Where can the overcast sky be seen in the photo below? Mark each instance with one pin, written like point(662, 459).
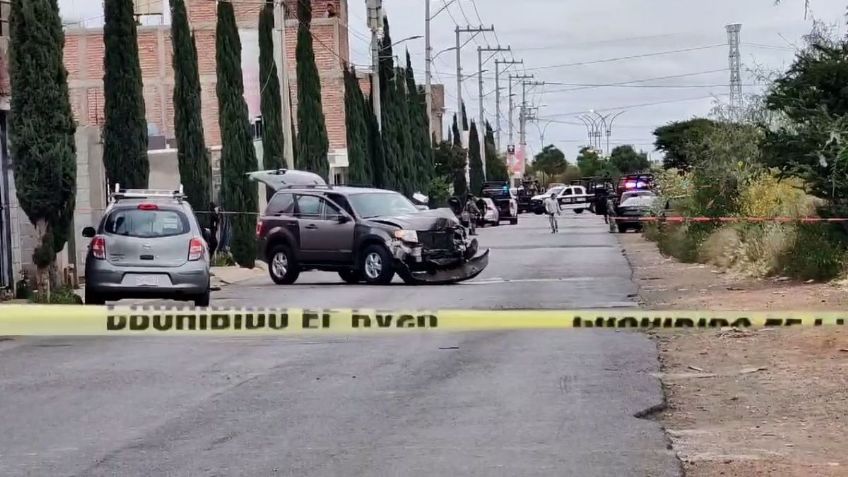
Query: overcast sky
point(552, 35)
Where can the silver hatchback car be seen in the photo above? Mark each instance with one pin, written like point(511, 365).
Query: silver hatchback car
point(148, 245)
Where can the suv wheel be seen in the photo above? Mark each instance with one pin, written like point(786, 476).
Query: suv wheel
point(351, 276)
point(282, 266)
point(376, 265)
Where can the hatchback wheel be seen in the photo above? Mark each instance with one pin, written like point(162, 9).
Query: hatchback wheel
point(92, 298)
point(202, 299)
point(376, 265)
point(282, 266)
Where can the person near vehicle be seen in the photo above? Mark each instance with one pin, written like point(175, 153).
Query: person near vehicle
point(552, 208)
point(473, 213)
point(214, 223)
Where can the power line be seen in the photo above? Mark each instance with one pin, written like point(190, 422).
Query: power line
point(643, 80)
point(643, 105)
point(631, 57)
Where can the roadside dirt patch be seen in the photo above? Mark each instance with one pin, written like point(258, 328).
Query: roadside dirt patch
point(748, 402)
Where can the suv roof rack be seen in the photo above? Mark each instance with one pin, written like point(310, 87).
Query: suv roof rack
point(119, 193)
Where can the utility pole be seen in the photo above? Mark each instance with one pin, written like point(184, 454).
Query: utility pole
point(475, 31)
point(735, 67)
point(498, 63)
point(512, 105)
point(524, 117)
point(428, 59)
point(283, 77)
point(480, 129)
point(375, 23)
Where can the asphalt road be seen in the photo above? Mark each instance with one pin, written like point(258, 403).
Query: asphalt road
point(487, 404)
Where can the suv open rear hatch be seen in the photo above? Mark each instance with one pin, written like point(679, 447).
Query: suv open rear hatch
point(287, 178)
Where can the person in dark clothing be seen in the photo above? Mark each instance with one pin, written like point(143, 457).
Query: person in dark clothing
point(214, 224)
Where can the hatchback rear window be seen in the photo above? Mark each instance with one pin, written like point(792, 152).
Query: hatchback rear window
point(146, 223)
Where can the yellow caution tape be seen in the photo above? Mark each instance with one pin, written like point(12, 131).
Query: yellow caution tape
point(58, 320)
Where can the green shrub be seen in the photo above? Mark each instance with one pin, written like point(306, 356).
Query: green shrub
point(223, 259)
point(722, 248)
point(677, 242)
point(651, 231)
point(60, 296)
point(764, 246)
point(817, 253)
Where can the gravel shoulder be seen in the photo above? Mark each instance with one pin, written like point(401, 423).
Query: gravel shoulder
point(745, 402)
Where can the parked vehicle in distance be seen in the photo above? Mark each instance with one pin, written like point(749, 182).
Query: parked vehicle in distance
point(365, 235)
point(504, 199)
point(570, 198)
point(148, 245)
point(490, 214)
point(525, 194)
point(634, 205)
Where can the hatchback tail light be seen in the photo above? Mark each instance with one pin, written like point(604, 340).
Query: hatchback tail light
point(260, 230)
point(195, 249)
point(148, 206)
point(98, 247)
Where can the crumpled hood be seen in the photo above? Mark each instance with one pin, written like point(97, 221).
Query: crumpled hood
point(437, 219)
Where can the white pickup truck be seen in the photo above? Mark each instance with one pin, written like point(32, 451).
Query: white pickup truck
point(572, 197)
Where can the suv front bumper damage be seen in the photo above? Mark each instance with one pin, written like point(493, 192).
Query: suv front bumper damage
point(437, 272)
point(420, 264)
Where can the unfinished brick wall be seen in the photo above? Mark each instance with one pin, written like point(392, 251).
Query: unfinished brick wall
point(84, 61)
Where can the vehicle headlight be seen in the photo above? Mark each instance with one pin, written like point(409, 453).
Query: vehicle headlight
point(407, 235)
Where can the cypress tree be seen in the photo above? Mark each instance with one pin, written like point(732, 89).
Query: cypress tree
point(125, 126)
point(312, 131)
point(376, 154)
point(420, 122)
point(41, 125)
point(238, 157)
point(391, 146)
point(457, 138)
point(386, 61)
point(495, 165)
point(460, 184)
point(192, 155)
point(475, 160)
point(406, 167)
point(359, 170)
point(464, 118)
point(271, 102)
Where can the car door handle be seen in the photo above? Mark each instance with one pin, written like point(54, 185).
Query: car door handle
point(311, 227)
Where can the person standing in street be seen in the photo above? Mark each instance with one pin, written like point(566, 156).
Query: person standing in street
point(473, 213)
point(552, 208)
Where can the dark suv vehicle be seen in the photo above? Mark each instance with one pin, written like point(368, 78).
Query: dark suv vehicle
point(363, 234)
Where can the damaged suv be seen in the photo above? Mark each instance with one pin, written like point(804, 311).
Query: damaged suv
point(366, 235)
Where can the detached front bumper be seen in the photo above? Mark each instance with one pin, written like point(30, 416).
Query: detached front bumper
point(437, 275)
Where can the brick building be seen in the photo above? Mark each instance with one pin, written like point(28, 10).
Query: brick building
point(84, 60)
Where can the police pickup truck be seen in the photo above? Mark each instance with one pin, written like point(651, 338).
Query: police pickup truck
point(573, 197)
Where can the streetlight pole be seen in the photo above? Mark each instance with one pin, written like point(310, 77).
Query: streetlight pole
point(609, 128)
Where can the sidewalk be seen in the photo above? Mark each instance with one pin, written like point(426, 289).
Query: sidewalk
point(235, 274)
